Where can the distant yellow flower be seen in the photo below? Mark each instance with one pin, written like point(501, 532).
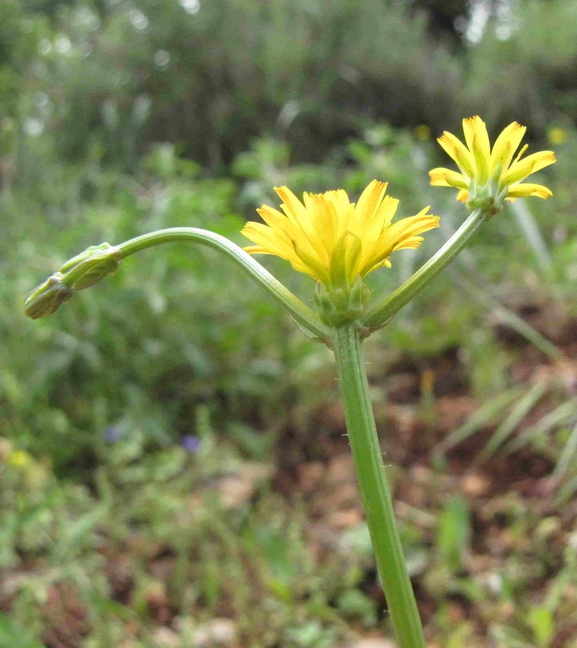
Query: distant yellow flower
point(19, 459)
point(482, 167)
point(557, 135)
point(333, 240)
point(422, 132)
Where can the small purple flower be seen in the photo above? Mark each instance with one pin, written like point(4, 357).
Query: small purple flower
point(190, 443)
point(112, 433)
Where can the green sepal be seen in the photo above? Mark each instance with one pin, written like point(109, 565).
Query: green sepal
point(342, 305)
point(488, 197)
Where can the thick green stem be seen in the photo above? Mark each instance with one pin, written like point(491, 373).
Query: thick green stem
point(380, 313)
point(374, 489)
point(301, 313)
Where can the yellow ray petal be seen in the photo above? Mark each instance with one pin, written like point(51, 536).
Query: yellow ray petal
point(477, 140)
point(386, 212)
point(313, 266)
point(385, 263)
point(413, 242)
point(441, 177)
point(399, 232)
point(381, 221)
point(527, 166)
point(412, 226)
point(343, 207)
point(297, 213)
point(476, 135)
point(266, 238)
point(369, 202)
point(255, 249)
point(324, 219)
point(279, 223)
point(506, 145)
point(457, 150)
point(524, 189)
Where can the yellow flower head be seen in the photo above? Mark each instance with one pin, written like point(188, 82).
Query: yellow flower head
point(333, 240)
point(422, 132)
point(481, 165)
point(557, 135)
point(19, 459)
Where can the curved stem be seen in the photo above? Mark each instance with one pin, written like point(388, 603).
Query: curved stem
point(379, 313)
point(375, 493)
point(301, 313)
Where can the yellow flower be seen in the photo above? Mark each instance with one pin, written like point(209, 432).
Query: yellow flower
point(491, 172)
point(557, 135)
point(19, 459)
point(422, 132)
point(333, 240)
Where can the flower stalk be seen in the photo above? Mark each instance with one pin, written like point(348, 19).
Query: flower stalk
point(381, 311)
point(99, 262)
point(301, 313)
point(374, 489)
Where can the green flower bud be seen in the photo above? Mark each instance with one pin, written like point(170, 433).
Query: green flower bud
point(91, 266)
point(47, 298)
point(92, 269)
point(74, 261)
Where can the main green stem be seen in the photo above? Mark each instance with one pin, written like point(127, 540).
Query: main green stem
point(375, 493)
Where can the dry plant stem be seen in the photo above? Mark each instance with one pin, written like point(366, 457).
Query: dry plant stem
point(301, 313)
point(375, 493)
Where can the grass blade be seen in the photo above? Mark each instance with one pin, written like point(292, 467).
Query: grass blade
point(566, 492)
point(516, 415)
point(532, 233)
point(567, 456)
point(512, 320)
point(559, 415)
point(482, 417)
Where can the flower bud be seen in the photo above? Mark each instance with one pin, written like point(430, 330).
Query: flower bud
point(47, 298)
point(98, 267)
point(86, 254)
point(91, 266)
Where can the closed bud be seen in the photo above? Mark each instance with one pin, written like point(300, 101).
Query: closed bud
point(74, 261)
point(91, 266)
point(98, 266)
point(47, 298)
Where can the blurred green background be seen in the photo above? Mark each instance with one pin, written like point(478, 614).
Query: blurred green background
point(173, 465)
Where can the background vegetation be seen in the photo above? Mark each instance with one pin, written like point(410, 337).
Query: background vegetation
point(173, 470)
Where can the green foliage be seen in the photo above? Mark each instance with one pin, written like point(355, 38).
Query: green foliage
point(454, 533)
point(11, 634)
